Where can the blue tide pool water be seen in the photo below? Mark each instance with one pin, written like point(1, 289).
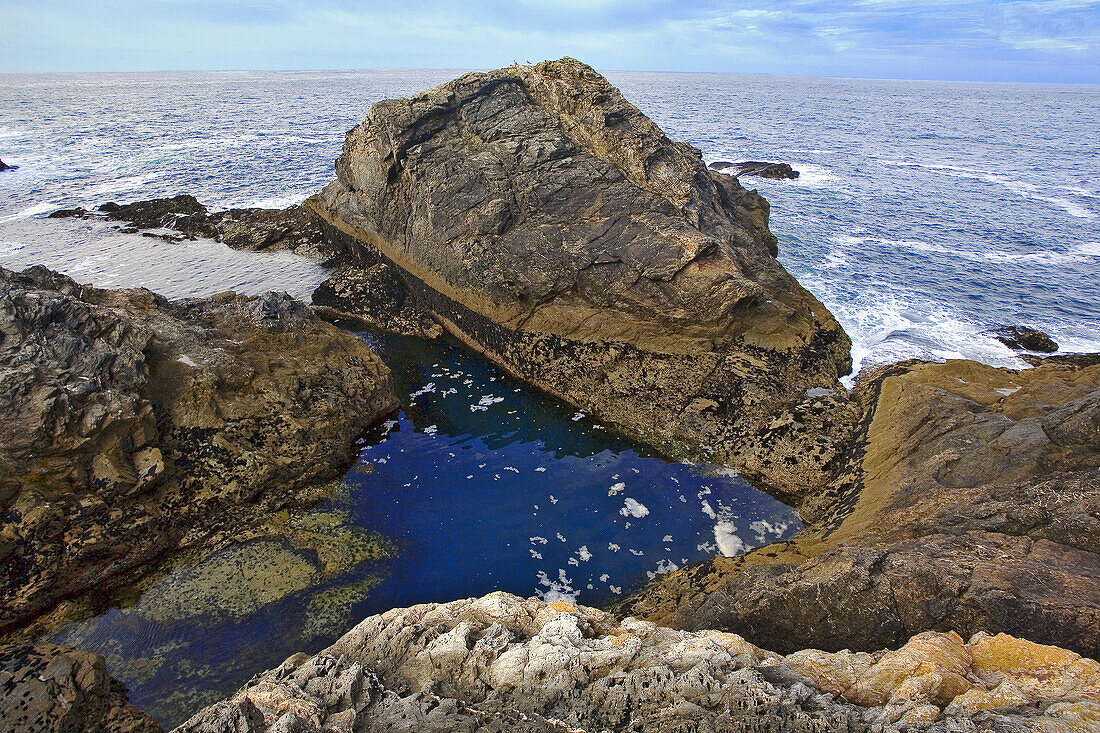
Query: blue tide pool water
point(926, 213)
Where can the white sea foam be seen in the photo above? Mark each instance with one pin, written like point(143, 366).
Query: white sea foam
point(41, 208)
point(7, 248)
point(634, 508)
point(725, 536)
point(556, 590)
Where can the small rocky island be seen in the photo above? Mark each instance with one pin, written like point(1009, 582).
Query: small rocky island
point(948, 577)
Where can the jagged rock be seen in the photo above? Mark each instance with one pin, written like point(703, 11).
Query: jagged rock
point(46, 688)
point(755, 168)
point(374, 299)
point(5, 167)
point(1023, 338)
point(971, 503)
point(183, 214)
point(130, 424)
point(503, 663)
point(297, 228)
point(547, 223)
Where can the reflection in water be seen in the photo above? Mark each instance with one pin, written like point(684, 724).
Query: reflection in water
point(481, 483)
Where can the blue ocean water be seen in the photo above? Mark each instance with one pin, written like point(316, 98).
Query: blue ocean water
point(925, 214)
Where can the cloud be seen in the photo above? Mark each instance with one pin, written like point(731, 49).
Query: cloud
point(1053, 40)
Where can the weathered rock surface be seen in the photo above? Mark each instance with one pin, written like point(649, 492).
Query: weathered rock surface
point(503, 663)
point(972, 504)
point(132, 425)
point(1024, 338)
point(374, 299)
point(46, 688)
point(548, 223)
point(756, 168)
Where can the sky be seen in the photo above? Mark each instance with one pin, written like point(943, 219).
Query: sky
point(969, 40)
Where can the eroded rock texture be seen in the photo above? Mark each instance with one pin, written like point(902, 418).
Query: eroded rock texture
point(45, 688)
point(501, 663)
point(130, 425)
point(548, 223)
point(971, 503)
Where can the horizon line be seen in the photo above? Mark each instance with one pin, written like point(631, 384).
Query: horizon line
point(601, 71)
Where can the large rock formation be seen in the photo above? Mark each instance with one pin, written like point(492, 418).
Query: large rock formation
point(549, 224)
point(971, 503)
point(500, 663)
point(130, 425)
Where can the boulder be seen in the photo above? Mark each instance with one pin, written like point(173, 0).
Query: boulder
point(1023, 338)
point(755, 168)
point(131, 425)
point(45, 688)
point(543, 220)
point(502, 663)
point(969, 503)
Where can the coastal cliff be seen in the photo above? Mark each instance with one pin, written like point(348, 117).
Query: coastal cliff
point(547, 223)
point(135, 426)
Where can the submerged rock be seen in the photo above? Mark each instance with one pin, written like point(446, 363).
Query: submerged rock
point(756, 168)
point(970, 503)
point(46, 688)
point(503, 663)
point(547, 223)
point(1023, 338)
point(5, 167)
point(131, 425)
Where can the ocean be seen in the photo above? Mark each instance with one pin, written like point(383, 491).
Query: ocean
point(926, 213)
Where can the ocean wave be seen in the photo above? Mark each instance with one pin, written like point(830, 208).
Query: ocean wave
point(41, 208)
point(275, 202)
point(1019, 187)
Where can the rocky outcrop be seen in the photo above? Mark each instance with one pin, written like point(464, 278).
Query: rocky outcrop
point(297, 229)
point(756, 168)
point(1024, 338)
point(547, 223)
point(503, 663)
point(971, 504)
point(46, 688)
point(5, 167)
point(132, 425)
point(374, 299)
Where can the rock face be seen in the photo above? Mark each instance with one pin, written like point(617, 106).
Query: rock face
point(549, 224)
point(46, 688)
point(501, 663)
point(132, 425)
point(756, 168)
point(971, 504)
point(1023, 338)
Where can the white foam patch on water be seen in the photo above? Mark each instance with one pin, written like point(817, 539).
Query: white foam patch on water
point(1042, 256)
point(634, 508)
point(556, 590)
point(725, 536)
point(583, 553)
point(7, 248)
point(663, 567)
point(126, 184)
point(616, 489)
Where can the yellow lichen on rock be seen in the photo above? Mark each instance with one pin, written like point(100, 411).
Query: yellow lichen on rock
point(1041, 672)
point(563, 606)
point(932, 652)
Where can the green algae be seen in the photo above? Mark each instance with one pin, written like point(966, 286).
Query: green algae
point(330, 612)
